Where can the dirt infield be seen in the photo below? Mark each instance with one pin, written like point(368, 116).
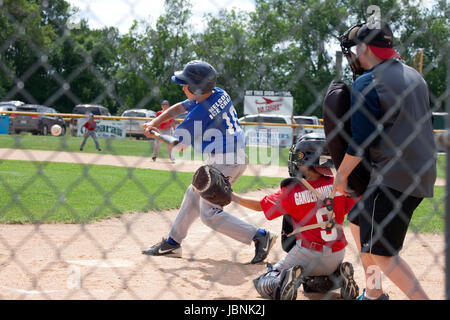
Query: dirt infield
point(103, 260)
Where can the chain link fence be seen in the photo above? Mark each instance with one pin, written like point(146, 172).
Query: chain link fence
point(75, 217)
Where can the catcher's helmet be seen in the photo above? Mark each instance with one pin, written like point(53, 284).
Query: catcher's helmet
point(311, 150)
point(200, 77)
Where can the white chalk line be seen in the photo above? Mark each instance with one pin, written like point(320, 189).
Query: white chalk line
point(32, 292)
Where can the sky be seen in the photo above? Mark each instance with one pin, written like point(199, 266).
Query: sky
point(121, 13)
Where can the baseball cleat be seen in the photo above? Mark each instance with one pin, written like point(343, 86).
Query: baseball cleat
point(290, 281)
point(164, 249)
point(349, 288)
point(263, 246)
point(383, 296)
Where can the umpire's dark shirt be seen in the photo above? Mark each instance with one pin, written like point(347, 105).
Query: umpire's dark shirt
point(392, 128)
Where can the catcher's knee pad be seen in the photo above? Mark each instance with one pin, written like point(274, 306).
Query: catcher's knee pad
point(267, 283)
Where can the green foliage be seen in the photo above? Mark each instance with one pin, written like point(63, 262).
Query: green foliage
point(284, 45)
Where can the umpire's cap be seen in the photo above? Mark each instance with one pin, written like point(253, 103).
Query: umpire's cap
point(200, 77)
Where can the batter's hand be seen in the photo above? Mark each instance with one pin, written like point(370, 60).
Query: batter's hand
point(147, 127)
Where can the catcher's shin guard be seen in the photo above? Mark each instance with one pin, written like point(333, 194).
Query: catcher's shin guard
point(267, 283)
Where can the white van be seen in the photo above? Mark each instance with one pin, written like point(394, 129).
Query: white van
point(257, 132)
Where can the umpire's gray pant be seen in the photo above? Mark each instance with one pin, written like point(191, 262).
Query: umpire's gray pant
point(194, 206)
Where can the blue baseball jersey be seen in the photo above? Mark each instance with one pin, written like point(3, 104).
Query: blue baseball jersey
point(211, 126)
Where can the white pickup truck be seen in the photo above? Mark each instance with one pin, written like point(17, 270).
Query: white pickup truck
point(309, 121)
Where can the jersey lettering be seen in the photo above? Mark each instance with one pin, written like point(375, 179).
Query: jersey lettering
point(322, 216)
point(232, 125)
point(218, 106)
point(308, 197)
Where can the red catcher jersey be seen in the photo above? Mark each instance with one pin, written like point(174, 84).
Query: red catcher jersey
point(304, 207)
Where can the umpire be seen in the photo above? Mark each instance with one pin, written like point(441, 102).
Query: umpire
point(392, 135)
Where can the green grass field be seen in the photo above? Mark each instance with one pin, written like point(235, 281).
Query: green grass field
point(74, 193)
point(139, 148)
point(127, 147)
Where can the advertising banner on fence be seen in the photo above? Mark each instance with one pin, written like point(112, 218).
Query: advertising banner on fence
point(268, 102)
point(112, 129)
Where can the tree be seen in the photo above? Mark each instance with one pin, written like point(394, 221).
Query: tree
point(24, 41)
point(225, 44)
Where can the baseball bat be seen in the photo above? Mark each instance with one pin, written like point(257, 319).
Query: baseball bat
point(165, 138)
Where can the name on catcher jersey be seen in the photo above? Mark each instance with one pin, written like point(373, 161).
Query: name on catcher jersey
point(211, 126)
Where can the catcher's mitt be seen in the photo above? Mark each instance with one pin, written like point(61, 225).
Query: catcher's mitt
point(212, 185)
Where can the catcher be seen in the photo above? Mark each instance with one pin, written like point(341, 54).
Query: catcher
point(211, 127)
point(316, 248)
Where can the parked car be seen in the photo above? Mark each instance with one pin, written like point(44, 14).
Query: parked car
point(96, 109)
point(6, 107)
point(12, 103)
point(134, 127)
point(37, 124)
point(308, 120)
point(260, 134)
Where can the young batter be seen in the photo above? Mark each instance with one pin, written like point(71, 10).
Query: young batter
point(210, 127)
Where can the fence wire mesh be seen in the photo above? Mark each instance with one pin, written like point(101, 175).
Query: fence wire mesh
point(76, 214)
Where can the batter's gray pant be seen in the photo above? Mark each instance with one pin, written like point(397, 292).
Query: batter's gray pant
point(90, 133)
point(194, 206)
point(157, 146)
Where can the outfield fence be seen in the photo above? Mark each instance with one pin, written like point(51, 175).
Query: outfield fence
point(74, 221)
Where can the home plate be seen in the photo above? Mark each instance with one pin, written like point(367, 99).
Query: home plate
point(109, 263)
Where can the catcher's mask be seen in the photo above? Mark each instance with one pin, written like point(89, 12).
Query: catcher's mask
point(200, 77)
point(378, 37)
point(347, 40)
point(311, 150)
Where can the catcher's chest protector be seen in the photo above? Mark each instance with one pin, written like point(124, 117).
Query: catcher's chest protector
point(336, 106)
